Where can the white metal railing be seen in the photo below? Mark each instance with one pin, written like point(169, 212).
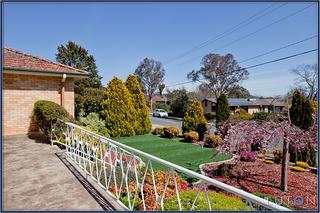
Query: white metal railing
point(124, 172)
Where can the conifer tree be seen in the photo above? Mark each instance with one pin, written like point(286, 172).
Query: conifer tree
point(296, 109)
point(223, 110)
point(142, 119)
point(118, 110)
point(194, 119)
point(307, 115)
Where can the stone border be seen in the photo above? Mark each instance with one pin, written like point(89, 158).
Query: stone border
point(212, 163)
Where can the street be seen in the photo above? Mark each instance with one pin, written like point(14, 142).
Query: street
point(157, 122)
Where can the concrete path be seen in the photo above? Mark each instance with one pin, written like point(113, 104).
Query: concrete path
point(35, 178)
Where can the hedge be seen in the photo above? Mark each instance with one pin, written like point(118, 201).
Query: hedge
point(46, 113)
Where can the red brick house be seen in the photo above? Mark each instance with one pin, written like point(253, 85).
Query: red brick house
point(27, 79)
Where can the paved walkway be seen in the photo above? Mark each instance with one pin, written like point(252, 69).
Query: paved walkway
point(36, 178)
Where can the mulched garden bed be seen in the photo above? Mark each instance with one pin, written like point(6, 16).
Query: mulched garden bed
point(260, 177)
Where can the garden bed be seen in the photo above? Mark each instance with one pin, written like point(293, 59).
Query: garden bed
point(259, 177)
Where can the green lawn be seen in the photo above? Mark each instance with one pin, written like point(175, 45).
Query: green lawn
point(183, 154)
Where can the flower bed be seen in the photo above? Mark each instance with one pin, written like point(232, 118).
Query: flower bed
point(258, 177)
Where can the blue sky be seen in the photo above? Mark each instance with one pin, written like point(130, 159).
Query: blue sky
point(120, 35)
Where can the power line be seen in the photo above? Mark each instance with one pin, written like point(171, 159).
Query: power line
point(254, 32)
point(280, 48)
point(227, 32)
point(257, 65)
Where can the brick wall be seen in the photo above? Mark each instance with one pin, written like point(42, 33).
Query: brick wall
point(20, 92)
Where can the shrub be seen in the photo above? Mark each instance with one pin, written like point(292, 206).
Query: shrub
point(241, 114)
point(191, 136)
point(218, 201)
point(262, 116)
point(94, 123)
point(224, 169)
point(194, 120)
point(157, 131)
point(248, 156)
point(212, 140)
point(46, 113)
point(118, 110)
point(302, 164)
point(223, 110)
point(210, 115)
point(88, 101)
point(269, 161)
point(142, 119)
point(277, 156)
point(298, 169)
point(260, 155)
point(170, 132)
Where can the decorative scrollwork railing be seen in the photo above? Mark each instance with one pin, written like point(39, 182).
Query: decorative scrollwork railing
point(129, 176)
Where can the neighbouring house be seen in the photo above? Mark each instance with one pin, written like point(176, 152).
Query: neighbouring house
point(27, 79)
point(250, 105)
point(160, 99)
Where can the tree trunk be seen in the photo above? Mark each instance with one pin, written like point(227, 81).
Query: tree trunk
point(284, 166)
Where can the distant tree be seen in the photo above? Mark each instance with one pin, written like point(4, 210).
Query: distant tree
point(219, 73)
point(307, 77)
point(118, 110)
point(143, 123)
point(223, 110)
point(179, 104)
point(76, 56)
point(161, 88)
point(150, 74)
point(194, 120)
point(238, 91)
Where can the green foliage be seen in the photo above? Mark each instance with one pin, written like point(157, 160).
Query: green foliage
point(118, 109)
point(212, 140)
point(191, 136)
point(307, 115)
point(46, 113)
point(157, 131)
point(94, 123)
point(142, 119)
point(261, 116)
point(179, 105)
point(238, 91)
point(301, 111)
point(277, 156)
point(78, 57)
point(88, 101)
point(194, 120)
point(163, 106)
point(298, 169)
point(170, 132)
point(218, 201)
point(209, 116)
point(223, 111)
point(302, 164)
point(241, 114)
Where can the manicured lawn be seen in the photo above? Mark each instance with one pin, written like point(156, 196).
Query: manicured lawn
point(183, 154)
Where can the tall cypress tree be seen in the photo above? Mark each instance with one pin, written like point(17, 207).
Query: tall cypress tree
point(118, 109)
point(143, 123)
point(307, 115)
point(296, 109)
point(223, 110)
point(194, 119)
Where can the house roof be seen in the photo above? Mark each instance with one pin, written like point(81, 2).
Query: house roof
point(251, 102)
point(14, 60)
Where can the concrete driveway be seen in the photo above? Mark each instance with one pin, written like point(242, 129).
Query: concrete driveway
point(35, 178)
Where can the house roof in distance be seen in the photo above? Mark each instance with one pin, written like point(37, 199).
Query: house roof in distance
point(14, 60)
point(251, 102)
